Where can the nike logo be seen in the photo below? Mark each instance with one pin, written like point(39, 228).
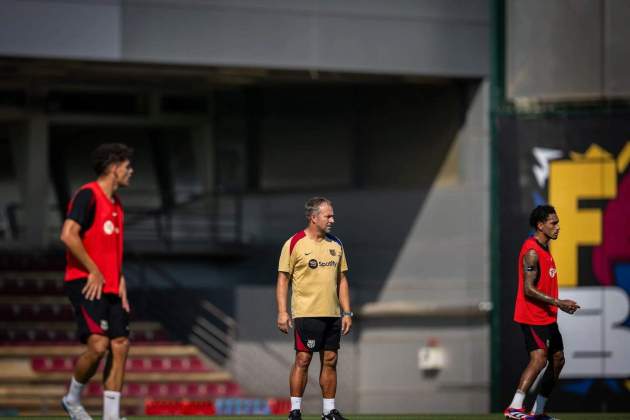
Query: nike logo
point(308, 253)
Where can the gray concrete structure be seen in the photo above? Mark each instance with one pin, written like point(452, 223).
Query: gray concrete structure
point(30, 154)
point(567, 50)
point(403, 155)
point(436, 293)
point(61, 29)
point(428, 37)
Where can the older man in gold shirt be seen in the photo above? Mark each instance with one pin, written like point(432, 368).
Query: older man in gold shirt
point(314, 262)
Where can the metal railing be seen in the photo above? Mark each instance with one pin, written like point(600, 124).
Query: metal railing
point(212, 217)
point(200, 221)
point(215, 342)
point(211, 329)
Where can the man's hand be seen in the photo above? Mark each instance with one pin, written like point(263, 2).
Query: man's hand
point(94, 286)
point(284, 322)
point(122, 293)
point(567, 305)
point(346, 324)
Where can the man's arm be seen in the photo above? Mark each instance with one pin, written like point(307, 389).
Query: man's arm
point(282, 291)
point(122, 293)
point(70, 236)
point(530, 271)
point(344, 301)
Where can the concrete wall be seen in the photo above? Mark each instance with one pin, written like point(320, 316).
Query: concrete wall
point(567, 49)
point(428, 37)
point(444, 263)
point(404, 140)
point(88, 29)
point(444, 256)
point(391, 382)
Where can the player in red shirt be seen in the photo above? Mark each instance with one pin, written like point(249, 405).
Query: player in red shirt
point(93, 236)
point(536, 311)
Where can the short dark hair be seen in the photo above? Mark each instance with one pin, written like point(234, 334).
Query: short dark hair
point(312, 205)
point(108, 153)
point(540, 214)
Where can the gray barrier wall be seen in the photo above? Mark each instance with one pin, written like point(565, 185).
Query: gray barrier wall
point(428, 37)
point(567, 49)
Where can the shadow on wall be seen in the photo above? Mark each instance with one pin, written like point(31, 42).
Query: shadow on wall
point(374, 149)
point(378, 174)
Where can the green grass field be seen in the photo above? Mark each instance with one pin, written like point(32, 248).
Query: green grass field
point(572, 416)
point(561, 416)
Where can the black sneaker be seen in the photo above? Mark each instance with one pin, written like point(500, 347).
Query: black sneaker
point(333, 415)
point(295, 415)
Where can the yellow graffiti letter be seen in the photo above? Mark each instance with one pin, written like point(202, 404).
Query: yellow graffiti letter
point(589, 176)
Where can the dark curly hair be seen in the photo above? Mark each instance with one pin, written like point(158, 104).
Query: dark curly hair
point(540, 214)
point(108, 153)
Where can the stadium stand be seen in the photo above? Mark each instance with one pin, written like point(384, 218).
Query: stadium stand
point(38, 349)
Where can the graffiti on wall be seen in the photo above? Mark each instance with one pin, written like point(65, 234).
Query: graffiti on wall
point(591, 192)
point(580, 164)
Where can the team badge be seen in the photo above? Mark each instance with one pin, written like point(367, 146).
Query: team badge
point(333, 252)
point(552, 272)
point(310, 344)
point(104, 325)
point(312, 263)
point(108, 227)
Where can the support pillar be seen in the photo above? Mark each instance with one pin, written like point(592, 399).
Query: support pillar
point(30, 151)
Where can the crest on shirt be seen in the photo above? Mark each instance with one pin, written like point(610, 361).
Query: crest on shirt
point(333, 252)
point(104, 325)
point(552, 272)
point(310, 344)
point(108, 227)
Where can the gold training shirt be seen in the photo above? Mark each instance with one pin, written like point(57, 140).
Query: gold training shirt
point(314, 268)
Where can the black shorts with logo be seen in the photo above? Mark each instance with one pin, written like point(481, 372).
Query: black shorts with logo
point(546, 337)
point(314, 334)
point(104, 316)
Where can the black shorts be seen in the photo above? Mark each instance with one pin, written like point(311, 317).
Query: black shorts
point(317, 333)
point(546, 337)
point(104, 316)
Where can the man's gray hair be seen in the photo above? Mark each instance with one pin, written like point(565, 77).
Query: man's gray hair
point(312, 205)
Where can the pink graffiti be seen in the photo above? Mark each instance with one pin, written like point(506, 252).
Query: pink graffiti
point(615, 245)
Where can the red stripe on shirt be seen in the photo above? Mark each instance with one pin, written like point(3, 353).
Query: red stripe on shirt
point(294, 240)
